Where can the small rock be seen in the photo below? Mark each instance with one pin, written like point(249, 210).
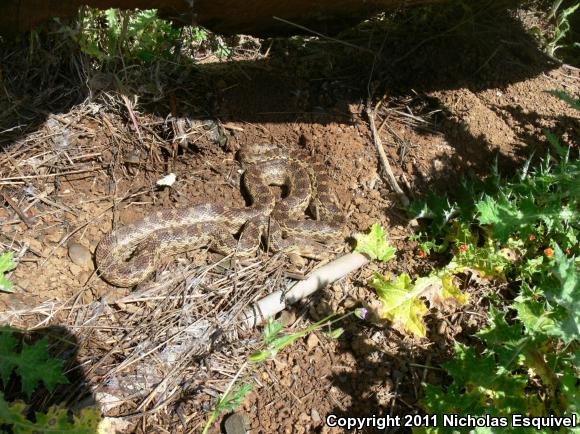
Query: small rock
point(79, 254)
point(315, 416)
point(83, 277)
point(414, 223)
point(34, 244)
point(349, 303)
point(280, 365)
point(52, 237)
point(364, 207)
point(75, 269)
point(236, 424)
point(312, 341)
point(287, 318)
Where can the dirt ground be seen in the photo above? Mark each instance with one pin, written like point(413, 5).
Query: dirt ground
point(78, 172)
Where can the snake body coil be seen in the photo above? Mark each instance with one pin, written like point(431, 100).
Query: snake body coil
point(128, 255)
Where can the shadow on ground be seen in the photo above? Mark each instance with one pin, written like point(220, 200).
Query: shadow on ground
point(302, 79)
point(72, 392)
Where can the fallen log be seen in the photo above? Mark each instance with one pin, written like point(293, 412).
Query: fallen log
point(255, 17)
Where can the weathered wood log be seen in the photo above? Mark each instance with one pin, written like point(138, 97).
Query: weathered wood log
point(254, 17)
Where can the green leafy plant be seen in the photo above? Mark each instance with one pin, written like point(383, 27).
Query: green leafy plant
point(229, 401)
point(375, 244)
point(6, 264)
point(403, 302)
point(34, 365)
point(139, 36)
point(113, 33)
point(273, 341)
point(523, 231)
point(562, 26)
point(55, 420)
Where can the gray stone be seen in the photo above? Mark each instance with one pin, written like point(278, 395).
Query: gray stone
point(236, 424)
point(79, 254)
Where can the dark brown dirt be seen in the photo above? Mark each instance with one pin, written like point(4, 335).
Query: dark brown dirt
point(434, 136)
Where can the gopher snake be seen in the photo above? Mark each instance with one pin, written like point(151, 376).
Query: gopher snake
point(127, 255)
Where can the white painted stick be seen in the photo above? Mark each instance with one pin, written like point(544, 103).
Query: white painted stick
point(276, 302)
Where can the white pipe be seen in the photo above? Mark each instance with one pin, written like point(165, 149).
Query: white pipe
point(276, 302)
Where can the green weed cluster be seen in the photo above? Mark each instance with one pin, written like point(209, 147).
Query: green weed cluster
point(137, 35)
point(565, 36)
point(273, 340)
point(33, 365)
point(525, 232)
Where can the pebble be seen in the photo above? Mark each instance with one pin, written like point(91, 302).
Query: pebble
point(236, 424)
point(287, 318)
point(34, 244)
point(312, 341)
point(79, 254)
point(364, 208)
point(75, 269)
point(349, 303)
point(315, 416)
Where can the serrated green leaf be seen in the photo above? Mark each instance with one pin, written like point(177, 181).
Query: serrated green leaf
point(567, 295)
point(478, 387)
point(54, 421)
point(534, 316)
point(507, 341)
point(34, 364)
point(8, 357)
point(7, 262)
point(375, 244)
point(401, 303)
point(507, 217)
point(6, 285)
point(471, 369)
point(38, 366)
point(499, 332)
point(272, 330)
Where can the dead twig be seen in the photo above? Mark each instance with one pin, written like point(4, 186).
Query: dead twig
point(323, 36)
point(383, 156)
point(25, 219)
